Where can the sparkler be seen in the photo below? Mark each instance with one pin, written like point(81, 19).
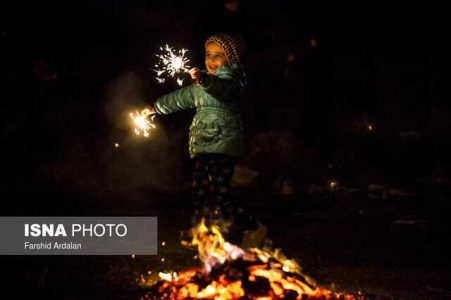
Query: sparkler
point(142, 124)
point(172, 63)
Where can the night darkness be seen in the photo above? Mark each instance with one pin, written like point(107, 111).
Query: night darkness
point(347, 124)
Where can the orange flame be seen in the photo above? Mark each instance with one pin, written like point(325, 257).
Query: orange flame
point(212, 247)
point(233, 273)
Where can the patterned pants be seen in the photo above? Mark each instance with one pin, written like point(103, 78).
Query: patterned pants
point(212, 176)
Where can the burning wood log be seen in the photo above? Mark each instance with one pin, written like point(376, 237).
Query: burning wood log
point(232, 273)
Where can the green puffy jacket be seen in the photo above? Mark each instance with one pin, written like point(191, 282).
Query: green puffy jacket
point(217, 126)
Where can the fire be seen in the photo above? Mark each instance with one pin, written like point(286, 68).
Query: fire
point(141, 122)
point(212, 247)
point(171, 63)
point(233, 273)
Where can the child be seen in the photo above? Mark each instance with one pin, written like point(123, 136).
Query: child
point(216, 132)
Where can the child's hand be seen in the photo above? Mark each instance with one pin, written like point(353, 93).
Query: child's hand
point(196, 74)
point(149, 110)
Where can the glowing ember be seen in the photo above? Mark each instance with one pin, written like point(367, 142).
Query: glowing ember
point(141, 122)
point(232, 273)
point(171, 63)
point(333, 185)
point(313, 43)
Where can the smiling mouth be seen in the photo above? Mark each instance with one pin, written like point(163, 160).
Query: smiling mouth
point(212, 69)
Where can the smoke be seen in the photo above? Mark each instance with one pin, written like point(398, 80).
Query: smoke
point(109, 167)
point(154, 164)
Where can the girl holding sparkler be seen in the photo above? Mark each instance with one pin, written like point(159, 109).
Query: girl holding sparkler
point(216, 132)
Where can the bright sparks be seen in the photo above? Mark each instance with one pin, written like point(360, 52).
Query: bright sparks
point(141, 122)
point(171, 63)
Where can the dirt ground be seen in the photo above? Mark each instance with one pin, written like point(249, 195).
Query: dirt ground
point(347, 240)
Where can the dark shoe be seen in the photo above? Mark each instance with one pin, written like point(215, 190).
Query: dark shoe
point(254, 238)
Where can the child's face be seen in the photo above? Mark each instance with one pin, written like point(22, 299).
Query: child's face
point(214, 57)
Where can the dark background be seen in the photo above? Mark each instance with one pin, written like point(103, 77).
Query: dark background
point(354, 91)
